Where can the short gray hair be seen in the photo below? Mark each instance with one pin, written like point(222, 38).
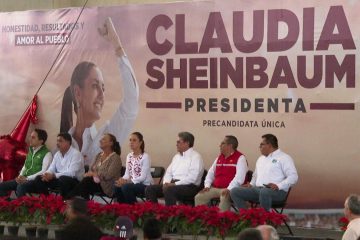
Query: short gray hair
point(187, 137)
point(353, 203)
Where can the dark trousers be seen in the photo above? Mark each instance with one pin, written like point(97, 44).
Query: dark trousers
point(127, 193)
point(12, 185)
point(7, 186)
point(172, 194)
point(64, 183)
point(86, 187)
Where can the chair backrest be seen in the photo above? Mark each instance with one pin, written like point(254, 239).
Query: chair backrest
point(248, 176)
point(123, 169)
point(202, 184)
point(157, 172)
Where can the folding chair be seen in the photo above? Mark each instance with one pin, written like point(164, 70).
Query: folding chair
point(248, 176)
point(191, 201)
point(156, 173)
point(123, 169)
point(103, 196)
point(278, 207)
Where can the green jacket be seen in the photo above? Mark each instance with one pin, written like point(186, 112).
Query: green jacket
point(33, 162)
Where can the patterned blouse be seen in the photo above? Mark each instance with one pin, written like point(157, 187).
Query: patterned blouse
point(138, 169)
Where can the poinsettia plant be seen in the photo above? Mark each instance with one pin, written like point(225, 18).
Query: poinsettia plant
point(33, 210)
point(5, 212)
point(185, 219)
point(52, 210)
point(343, 223)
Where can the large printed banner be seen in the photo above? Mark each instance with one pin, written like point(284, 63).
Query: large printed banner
point(213, 68)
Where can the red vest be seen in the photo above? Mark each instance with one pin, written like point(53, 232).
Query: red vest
point(225, 169)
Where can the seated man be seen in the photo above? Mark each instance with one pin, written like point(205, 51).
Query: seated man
point(274, 174)
point(182, 177)
point(352, 213)
point(64, 172)
point(228, 171)
point(37, 162)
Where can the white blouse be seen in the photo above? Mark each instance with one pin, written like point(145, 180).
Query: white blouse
point(138, 169)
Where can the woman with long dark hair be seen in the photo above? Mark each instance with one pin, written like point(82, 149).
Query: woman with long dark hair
point(104, 172)
point(86, 94)
point(137, 174)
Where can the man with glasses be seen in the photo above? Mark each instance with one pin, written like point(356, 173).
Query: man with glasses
point(228, 171)
point(182, 177)
point(352, 213)
point(274, 174)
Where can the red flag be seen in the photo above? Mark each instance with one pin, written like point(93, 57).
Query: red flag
point(20, 131)
point(13, 146)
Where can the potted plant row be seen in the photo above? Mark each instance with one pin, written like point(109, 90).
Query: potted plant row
point(44, 211)
point(33, 213)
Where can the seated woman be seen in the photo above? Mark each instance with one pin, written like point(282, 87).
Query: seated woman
point(137, 174)
point(103, 172)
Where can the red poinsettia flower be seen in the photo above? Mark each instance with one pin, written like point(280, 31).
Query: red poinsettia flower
point(343, 223)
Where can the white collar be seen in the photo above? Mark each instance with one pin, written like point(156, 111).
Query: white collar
point(68, 151)
point(277, 151)
point(187, 152)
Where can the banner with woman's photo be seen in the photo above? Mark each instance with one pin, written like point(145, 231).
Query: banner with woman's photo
point(213, 68)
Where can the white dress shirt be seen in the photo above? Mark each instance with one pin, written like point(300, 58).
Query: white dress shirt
point(188, 168)
point(45, 164)
point(278, 168)
point(353, 230)
point(71, 164)
point(121, 122)
point(138, 169)
point(239, 178)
